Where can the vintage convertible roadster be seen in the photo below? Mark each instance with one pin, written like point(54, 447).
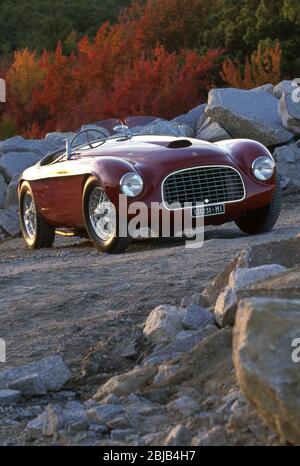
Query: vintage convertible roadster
point(78, 189)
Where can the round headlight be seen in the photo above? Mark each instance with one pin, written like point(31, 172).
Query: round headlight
point(131, 184)
point(263, 168)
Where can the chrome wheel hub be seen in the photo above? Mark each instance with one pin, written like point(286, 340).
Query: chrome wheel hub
point(102, 214)
point(29, 215)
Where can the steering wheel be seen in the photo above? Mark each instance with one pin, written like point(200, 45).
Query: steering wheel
point(94, 130)
point(70, 143)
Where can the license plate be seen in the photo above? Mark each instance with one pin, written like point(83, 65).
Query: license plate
point(206, 211)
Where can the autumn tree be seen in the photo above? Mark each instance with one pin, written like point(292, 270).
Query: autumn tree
point(263, 67)
point(164, 86)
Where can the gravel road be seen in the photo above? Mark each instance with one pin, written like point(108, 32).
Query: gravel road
point(72, 298)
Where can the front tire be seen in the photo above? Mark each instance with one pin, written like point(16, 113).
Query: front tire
point(264, 219)
point(101, 219)
point(36, 232)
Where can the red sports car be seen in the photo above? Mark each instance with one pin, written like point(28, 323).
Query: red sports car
point(80, 188)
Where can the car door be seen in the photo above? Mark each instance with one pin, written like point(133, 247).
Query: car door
point(64, 180)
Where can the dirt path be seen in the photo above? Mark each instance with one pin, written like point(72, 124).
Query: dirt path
point(71, 298)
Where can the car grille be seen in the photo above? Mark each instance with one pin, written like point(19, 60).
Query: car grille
point(207, 185)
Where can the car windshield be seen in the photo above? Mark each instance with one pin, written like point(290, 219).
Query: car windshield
point(95, 134)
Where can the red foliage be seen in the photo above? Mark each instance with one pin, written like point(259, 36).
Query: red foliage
point(121, 72)
point(164, 86)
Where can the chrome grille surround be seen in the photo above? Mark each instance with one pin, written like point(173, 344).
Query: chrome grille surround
point(217, 184)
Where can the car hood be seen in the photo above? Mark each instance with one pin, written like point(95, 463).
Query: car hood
point(142, 151)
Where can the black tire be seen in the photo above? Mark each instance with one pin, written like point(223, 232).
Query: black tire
point(113, 245)
point(262, 220)
point(43, 234)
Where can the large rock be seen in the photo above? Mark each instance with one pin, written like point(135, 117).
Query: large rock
point(179, 436)
point(196, 318)
point(3, 188)
point(241, 278)
point(283, 87)
point(248, 114)
point(38, 146)
point(14, 163)
point(289, 111)
point(179, 346)
point(265, 88)
point(165, 128)
point(57, 140)
point(212, 132)
point(163, 323)
point(11, 200)
point(9, 397)
point(124, 384)
point(284, 286)
point(101, 414)
point(192, 119)
point(9, 222)
point(288, 166)
point(55, 418)
point(265, 333)
point(52, 372)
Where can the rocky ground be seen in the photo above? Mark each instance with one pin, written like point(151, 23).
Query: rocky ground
point(91, 309)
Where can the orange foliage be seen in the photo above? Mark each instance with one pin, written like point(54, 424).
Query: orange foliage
point(128, 68)
point(263, 67)
point(166, 85)
point(24, 75)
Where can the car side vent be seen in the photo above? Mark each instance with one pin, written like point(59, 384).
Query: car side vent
point(179, 143)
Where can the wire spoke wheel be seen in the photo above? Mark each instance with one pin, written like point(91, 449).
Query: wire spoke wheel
point(102, 214)
point(29, 215)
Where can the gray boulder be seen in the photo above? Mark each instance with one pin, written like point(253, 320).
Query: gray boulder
point(240, 279)
point(52, 372)
point(14, 163)
point(9, 222)
point(179, 346)
point(289, 111)
point(11, 200)
point(288, 166)
point(30, 385)
point(212, 132)
point(265, 88)
point(101, 414)
point(248, 114)
point(196, 318)
point(243, 277)
point(55, 418)
point(124, 384)
point(57, 140)
point(266, 360)
point(192, 119)
point(40, 147)
point(282, 88)
point(3, 188)
point(9, 397)
point(179, 436)
point(163, 323)
point(165, 128)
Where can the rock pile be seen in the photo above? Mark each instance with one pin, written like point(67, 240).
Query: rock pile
point(266, 114)
point(196, 381)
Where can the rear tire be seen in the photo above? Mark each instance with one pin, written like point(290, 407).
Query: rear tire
point(262, 220)
point(36, 232)
point(95, 204)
